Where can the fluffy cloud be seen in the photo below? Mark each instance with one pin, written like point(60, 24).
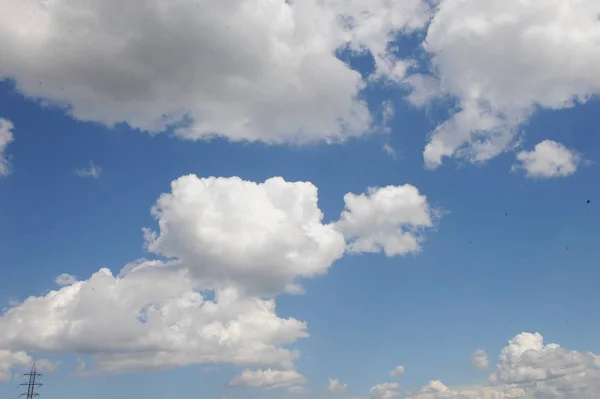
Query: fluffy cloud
point(258, 237)
point(336, 387)
point(528, 369)
point(391, 219)
point(243, 69)
point(231, 245)
point(549, 159)
point(150, 316)
point(92, 171)
point(397, 372)
point(479, 359)
point(387, 390)
point(268, 379)
point(552, 371)
point(6, 137)
point(437, 390)
point(500, 59)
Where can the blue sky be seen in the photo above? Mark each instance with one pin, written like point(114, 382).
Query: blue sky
point(511, 253)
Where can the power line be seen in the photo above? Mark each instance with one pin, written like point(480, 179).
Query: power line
point(32, 383)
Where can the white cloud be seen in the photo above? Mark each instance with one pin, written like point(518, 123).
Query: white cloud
point(92, 171)
point(148, 317)
point(501, 59)
point(479, 359)
point(232, 245)
point(387, 116)
point(528, 369)
point(391, 219)
point(267, 379)
point(298, 390)
point(244, 69)
point(397, 372)
point(258, 237)
point(473, 133)
point(336, 387)
point(387, 390)
point(437, 390)
point(10, 360)
point(549, 159)
point(424, 89)
point(6, 137)
point(549, 369)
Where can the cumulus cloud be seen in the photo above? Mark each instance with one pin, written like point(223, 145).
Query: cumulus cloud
point(151, 316)
point(389, 219)
point(437, 390)
point(387, 390)
point(500, 60)
point(242, 69)
point(231, 246)
point(258, 237)
point(336, 387)
point(550, 369)
point(548, 159)
point(92, 171)
point(479, 359)
point(6, 137)
point(267, 379)
point(397, 372)
point(528, 369)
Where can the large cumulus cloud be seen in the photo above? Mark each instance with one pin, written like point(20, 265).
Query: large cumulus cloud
point(242, 69)
point(500, 60)
point(226, 247)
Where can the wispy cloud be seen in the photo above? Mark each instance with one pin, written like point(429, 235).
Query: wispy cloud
point(388, 149)
point(92, 171)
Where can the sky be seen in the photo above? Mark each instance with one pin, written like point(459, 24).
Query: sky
point(266, 199)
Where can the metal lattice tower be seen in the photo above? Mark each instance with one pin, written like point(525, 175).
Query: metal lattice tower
point(31, 384)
